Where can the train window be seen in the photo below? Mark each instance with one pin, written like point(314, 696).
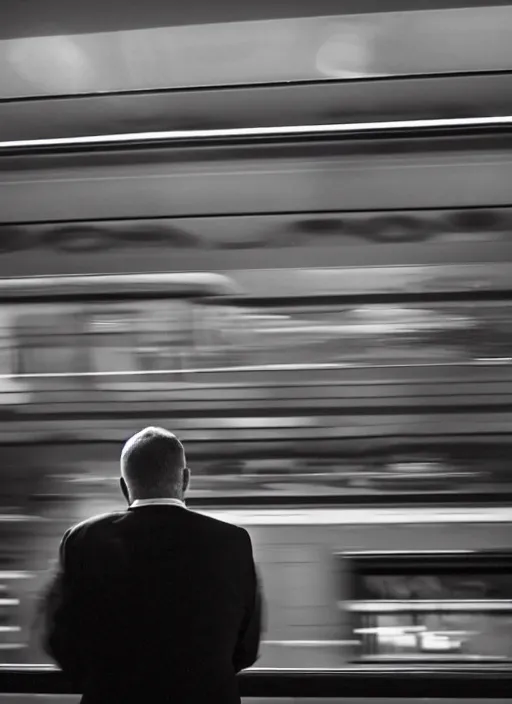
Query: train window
point(150, 336)
point(65, 340)
point(311, 333)
point(431, 606)
point(47, 339)
point(170, 335)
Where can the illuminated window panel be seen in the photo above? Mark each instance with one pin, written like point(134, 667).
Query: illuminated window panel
point(453, 607)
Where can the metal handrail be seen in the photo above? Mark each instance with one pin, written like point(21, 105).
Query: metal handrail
point(394, 128)
point(416, 681)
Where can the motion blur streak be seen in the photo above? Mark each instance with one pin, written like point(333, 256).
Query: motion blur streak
point(373, 516)
point(249, 133)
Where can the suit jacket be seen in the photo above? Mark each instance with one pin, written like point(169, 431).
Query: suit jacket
point(156, 603)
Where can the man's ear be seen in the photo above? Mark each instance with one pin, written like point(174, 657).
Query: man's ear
point(124, 489)
point(186, 479)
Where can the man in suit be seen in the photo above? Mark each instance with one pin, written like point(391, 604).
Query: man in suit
point(156, 603)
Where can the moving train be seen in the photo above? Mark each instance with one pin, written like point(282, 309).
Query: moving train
point(325, 324)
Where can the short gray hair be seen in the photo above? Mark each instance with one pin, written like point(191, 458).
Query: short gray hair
point(152, 462)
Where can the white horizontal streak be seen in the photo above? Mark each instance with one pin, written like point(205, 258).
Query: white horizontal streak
point(256, 368)
point(363, 516)
point(17, 518)
point(310, 643)
point(259, 132)
point(446, 605)
point(161, 279)
point(16, 575)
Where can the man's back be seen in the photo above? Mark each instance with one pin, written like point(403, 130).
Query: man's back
point(156, 604)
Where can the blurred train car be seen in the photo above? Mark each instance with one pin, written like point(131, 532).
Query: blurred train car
point(339, 364)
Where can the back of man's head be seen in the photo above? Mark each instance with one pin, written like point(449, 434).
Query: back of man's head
point(153, 465)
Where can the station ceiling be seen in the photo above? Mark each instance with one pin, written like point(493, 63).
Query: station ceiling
point(31, 18)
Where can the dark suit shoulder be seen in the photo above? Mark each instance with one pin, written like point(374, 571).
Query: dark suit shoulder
point(96, 523)
point(217, 526)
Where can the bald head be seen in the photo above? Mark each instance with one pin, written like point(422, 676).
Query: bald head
point(153, 465)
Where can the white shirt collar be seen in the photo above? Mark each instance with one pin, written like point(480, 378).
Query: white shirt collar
point(157, 502)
